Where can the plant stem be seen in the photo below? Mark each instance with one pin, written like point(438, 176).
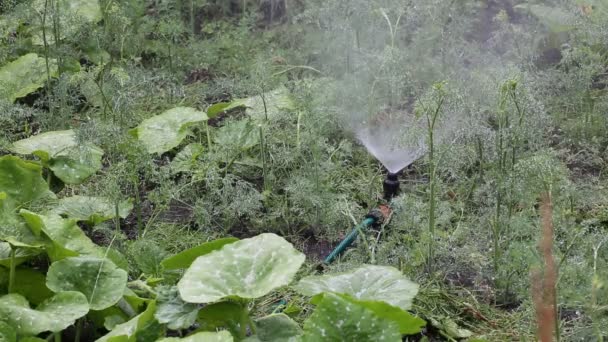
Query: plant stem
point(46, 54)
point(79, 324)
point(263, 156)
point(13, 264)
point(431, 121)
point(57, 336)
point(298, 125)
point(208, 131)
point(117, 216)
point(137, 205)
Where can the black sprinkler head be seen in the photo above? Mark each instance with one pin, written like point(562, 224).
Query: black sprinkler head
point(391, 186)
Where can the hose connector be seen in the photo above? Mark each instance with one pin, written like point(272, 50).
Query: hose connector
point(379, 215)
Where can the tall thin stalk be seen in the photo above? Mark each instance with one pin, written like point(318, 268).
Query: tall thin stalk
point(46, 54)
point(431, 120)
point(13, 264)
point(263, 155)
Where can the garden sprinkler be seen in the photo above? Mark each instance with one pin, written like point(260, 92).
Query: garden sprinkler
point(391, 186)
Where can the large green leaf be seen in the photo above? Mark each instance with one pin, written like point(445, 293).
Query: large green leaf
point(98, 279)
point(338, 319)
point(7, 333)
point(22, 181)
point(374, 283)
point(68, 239)
point(407, 323)
point(14, 230)
point(51, 144)
point(185, 258)
point(91, 209)
point(31, 284)
point(74, 13)
point(186, 159)
point(23, 76)
point(21, 254)
point(127, 332)
point(248, 268)
point(220, 336)
point(55, 314)
point(64, 233)
point(69, 160)
point(173, 311)
point(274, 103)
point(276, 328)
point(222, 315)
point(163, 132)
point(237, 136)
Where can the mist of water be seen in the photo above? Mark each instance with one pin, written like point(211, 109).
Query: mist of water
point(381, 143)
point(386, 55)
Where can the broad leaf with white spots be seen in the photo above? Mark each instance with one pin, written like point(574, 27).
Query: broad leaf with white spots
point(173, 311)
point(68, 239)
point(276, 328)
point(163, 132)
point(91, 209)
point(98, 279)
point(220, 336)
point(24, 76)
point(7, 333)
point(248, 268)
point(375, 283)
point(127, 332)
point(21, 181)
point(70, 161)
point(338, 319)
point(54, 314)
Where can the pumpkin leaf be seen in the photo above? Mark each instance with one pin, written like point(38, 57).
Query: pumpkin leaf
point(186, 159)
point(98, 279)
point(173, 311)
point(32, 284)
point(217, 109)
point(68, 239)
point(91, 209)
point(163, 132)
point(54, 314)
point(205, 336)
point(222, 315)
point(127, 332)
point(248, 268)
point(374, 283)
point(49, 144)
point(21, 254)
point(70, 161)
point(185, 258)
point(276, 328)
point(24, 76)
point(237, 136)
point(408, 324)
point(76, 13)
point(7, 333)
point(337, 319)
point(275, 103)
point(75, 171)
point(14, 230)
point(21, 181)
